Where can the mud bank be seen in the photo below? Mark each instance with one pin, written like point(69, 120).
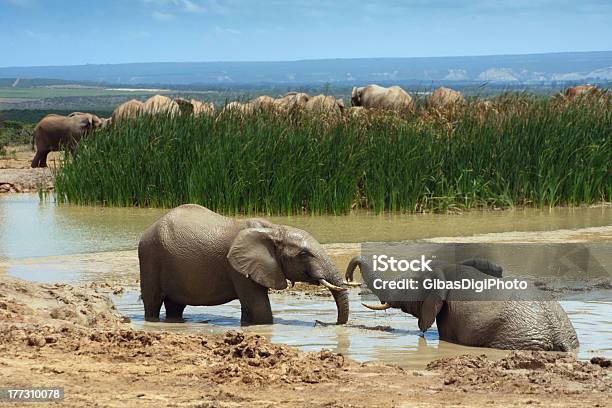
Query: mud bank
point(72, 337)
point(16, 175)
point(26, 180)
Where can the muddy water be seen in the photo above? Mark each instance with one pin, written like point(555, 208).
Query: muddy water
point(49, 243)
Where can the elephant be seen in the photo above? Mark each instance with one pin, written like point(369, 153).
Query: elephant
point(194, 256)
point(378, 97)
point(160, 104)
point(54, 132)
point(444, 97)
point(262, 102)
point(465, 318)
point(128, 110)
point(185, 106)
point(325, 104)
point(194, 107)
point(292, 100)
point(202, 108)
point(97, 121)
point(581, 90)
point(238, 107)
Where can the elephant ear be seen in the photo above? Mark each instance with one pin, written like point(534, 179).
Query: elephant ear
point(432, 304)
point(85, 121)
point(253, 255)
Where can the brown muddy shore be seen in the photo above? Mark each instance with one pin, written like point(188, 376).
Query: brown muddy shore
point(72, 336)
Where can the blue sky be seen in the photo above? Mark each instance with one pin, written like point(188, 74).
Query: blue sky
point(54, 32)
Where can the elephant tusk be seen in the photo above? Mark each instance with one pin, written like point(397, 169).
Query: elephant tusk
point(352, 283)
point(384, 306)
point(330, 286)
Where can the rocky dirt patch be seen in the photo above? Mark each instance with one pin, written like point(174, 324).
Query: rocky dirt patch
point(531, 372)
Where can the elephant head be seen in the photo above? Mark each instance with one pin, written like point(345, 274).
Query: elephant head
point(186, 107)
point(273, 255)
point(422, 301)
point(424, 304)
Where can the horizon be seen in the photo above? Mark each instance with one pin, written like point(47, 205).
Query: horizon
point(36, 33)
point(306, 59)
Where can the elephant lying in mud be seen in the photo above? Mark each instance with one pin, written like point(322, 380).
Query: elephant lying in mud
point(503, 324)
point(55, 132)
point(194, 256)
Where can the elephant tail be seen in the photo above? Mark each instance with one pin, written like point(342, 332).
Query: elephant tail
point(33, 140)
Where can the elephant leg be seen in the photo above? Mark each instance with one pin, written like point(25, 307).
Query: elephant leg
point(40, 159)
point(254, 302)
point(174, 311)
point(43, 158)
point(150, 290)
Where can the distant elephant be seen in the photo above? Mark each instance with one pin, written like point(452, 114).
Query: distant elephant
point(464, 317)
point(238, 107)
point(292, 100)
point(581, 90)
point(128, 110)
point(202, 108)
point(378, 97)
point(325, 104)
point(185, 106)
point(262, 102)
point(160, 104)
point(443, 98)
point(194, 256)
point(55, 132)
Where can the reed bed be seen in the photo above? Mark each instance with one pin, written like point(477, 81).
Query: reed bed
point(519, 151)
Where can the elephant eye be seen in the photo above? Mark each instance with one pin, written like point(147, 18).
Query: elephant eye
point(304, 253)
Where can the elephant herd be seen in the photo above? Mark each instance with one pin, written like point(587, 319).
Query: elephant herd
point(55, 131)
point(193, 256)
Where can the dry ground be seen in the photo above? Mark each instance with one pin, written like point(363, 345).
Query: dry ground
point(71, 336)
point(16, 175)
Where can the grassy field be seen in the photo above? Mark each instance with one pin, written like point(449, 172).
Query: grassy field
point(523, 151)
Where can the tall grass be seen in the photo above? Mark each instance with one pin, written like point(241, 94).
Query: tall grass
point(525, 151)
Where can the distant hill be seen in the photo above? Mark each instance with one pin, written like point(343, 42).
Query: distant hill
point(508, 69)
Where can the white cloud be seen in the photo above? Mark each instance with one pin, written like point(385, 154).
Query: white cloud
point(159, 16)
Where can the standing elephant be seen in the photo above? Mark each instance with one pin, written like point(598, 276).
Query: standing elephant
point(160, 104)
point(128, 110)
point(202, 108)
point(238, 108)
point(194, 256)
point(443, 98)
point(325, 104)
point(378, 97)
point(292, 100)
point(262, 102)
point(55, 132)
point(467, 318)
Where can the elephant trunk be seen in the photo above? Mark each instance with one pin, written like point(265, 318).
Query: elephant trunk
point(333, 281)
point(366, 271)
point(342, 303)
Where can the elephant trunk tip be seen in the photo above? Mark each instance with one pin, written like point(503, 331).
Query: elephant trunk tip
point(350, 269)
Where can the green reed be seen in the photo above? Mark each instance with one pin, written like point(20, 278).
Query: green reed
point(526, 151)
